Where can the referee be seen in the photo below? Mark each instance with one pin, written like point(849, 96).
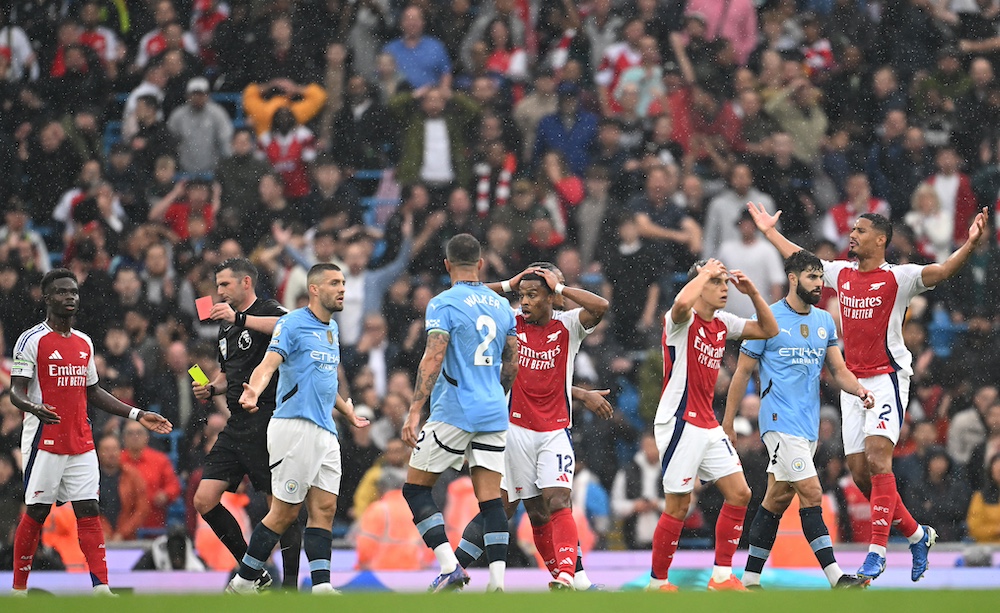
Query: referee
point(241, 449)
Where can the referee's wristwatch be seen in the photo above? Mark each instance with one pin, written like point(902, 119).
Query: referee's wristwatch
point(240, 320)
point(211, 390)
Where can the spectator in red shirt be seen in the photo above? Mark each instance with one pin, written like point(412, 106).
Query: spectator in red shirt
point(840, 219)
point(162, 486)
point(289, 147)
point(189, 202)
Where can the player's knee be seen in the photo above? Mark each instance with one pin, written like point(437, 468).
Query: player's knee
point(38, 512)
point(739, 497)
point(777, 503)
point(204, 501)
point(559, 499)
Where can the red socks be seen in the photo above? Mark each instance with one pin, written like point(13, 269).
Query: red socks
point(728, 530)
point(665, 538)
point(92, 545)
point(902, 519)
point(883, 502)
point(543, 543)
point(25, 544)
point(564, 541)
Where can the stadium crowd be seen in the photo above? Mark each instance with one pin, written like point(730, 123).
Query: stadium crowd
point(143, 142)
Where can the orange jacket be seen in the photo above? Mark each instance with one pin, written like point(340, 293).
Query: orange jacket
point(387, 538)
point(261, 110)
point(158, 475)
point(134, 505)
point(59, 532)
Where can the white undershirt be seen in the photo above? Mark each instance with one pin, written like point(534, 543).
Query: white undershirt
point(437, 153)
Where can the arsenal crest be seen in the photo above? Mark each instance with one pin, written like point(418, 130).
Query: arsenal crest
point(804, 330)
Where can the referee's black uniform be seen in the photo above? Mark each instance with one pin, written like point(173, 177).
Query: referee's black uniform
point(242, 445)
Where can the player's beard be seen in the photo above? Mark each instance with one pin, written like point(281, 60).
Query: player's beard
point(810, 298)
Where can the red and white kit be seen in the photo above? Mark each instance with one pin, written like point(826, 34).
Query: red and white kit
point(60, 463)
point(872, 307)
point(539, 450)
point(691, 441)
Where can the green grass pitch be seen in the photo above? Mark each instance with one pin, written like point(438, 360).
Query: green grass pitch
point(872, 601)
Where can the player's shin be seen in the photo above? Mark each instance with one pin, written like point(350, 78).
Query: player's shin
point(25, 544)
point(763, 531)
point(225, 526)
point(471, 546)
point(816, 532)
point(728, 530)
point(291, 545)
point(430, 524)
point(318, 544)
point(262, 542)
point(91, 536)
point(883, 505)
point(543, 543)
point(496, 536)
point(564, 541)
point(665, 539)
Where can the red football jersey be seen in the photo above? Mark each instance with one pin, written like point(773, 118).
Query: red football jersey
point(692, 356)
point(872, 307)
point(541, 399)
point(289, 154)
point(60, 369)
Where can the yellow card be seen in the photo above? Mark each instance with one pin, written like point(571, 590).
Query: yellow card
point(198, 375)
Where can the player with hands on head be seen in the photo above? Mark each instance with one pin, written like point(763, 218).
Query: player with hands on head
point(539, 460)
point(53, 380)
point(691, 443)
point(790, 367)
point(302, 443)
point(874, 296)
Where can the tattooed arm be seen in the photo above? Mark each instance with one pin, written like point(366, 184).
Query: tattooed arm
point(427, 374)
point(508, 369)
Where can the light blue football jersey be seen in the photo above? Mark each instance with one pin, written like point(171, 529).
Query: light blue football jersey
point(468, 393)
point(790, 367)
point(307, 378)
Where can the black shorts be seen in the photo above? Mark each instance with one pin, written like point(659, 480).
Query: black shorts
point(236, 455)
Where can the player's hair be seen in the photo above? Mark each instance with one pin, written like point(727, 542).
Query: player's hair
point(54, 275)
point(801, 261)
point(881, 225)
point(240, 267)
point(318, 269)
point(693, 271)
point(463, 250)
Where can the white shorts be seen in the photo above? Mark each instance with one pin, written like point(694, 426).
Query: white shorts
point(441, 446)
point(790, 456)
point(688, 452)
point(302, 455)
point(892, 394)
point(535, 461)
point(53, 477)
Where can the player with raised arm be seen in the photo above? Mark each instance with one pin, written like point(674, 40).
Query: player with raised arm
point(246, 324)
point(874, 296)
point(691, 442)
point(790, 368)
point(468, 367)
point(302, 444)
point(53, 379)
point(539, 461)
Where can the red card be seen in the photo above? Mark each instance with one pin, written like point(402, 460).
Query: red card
point(204, 306)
